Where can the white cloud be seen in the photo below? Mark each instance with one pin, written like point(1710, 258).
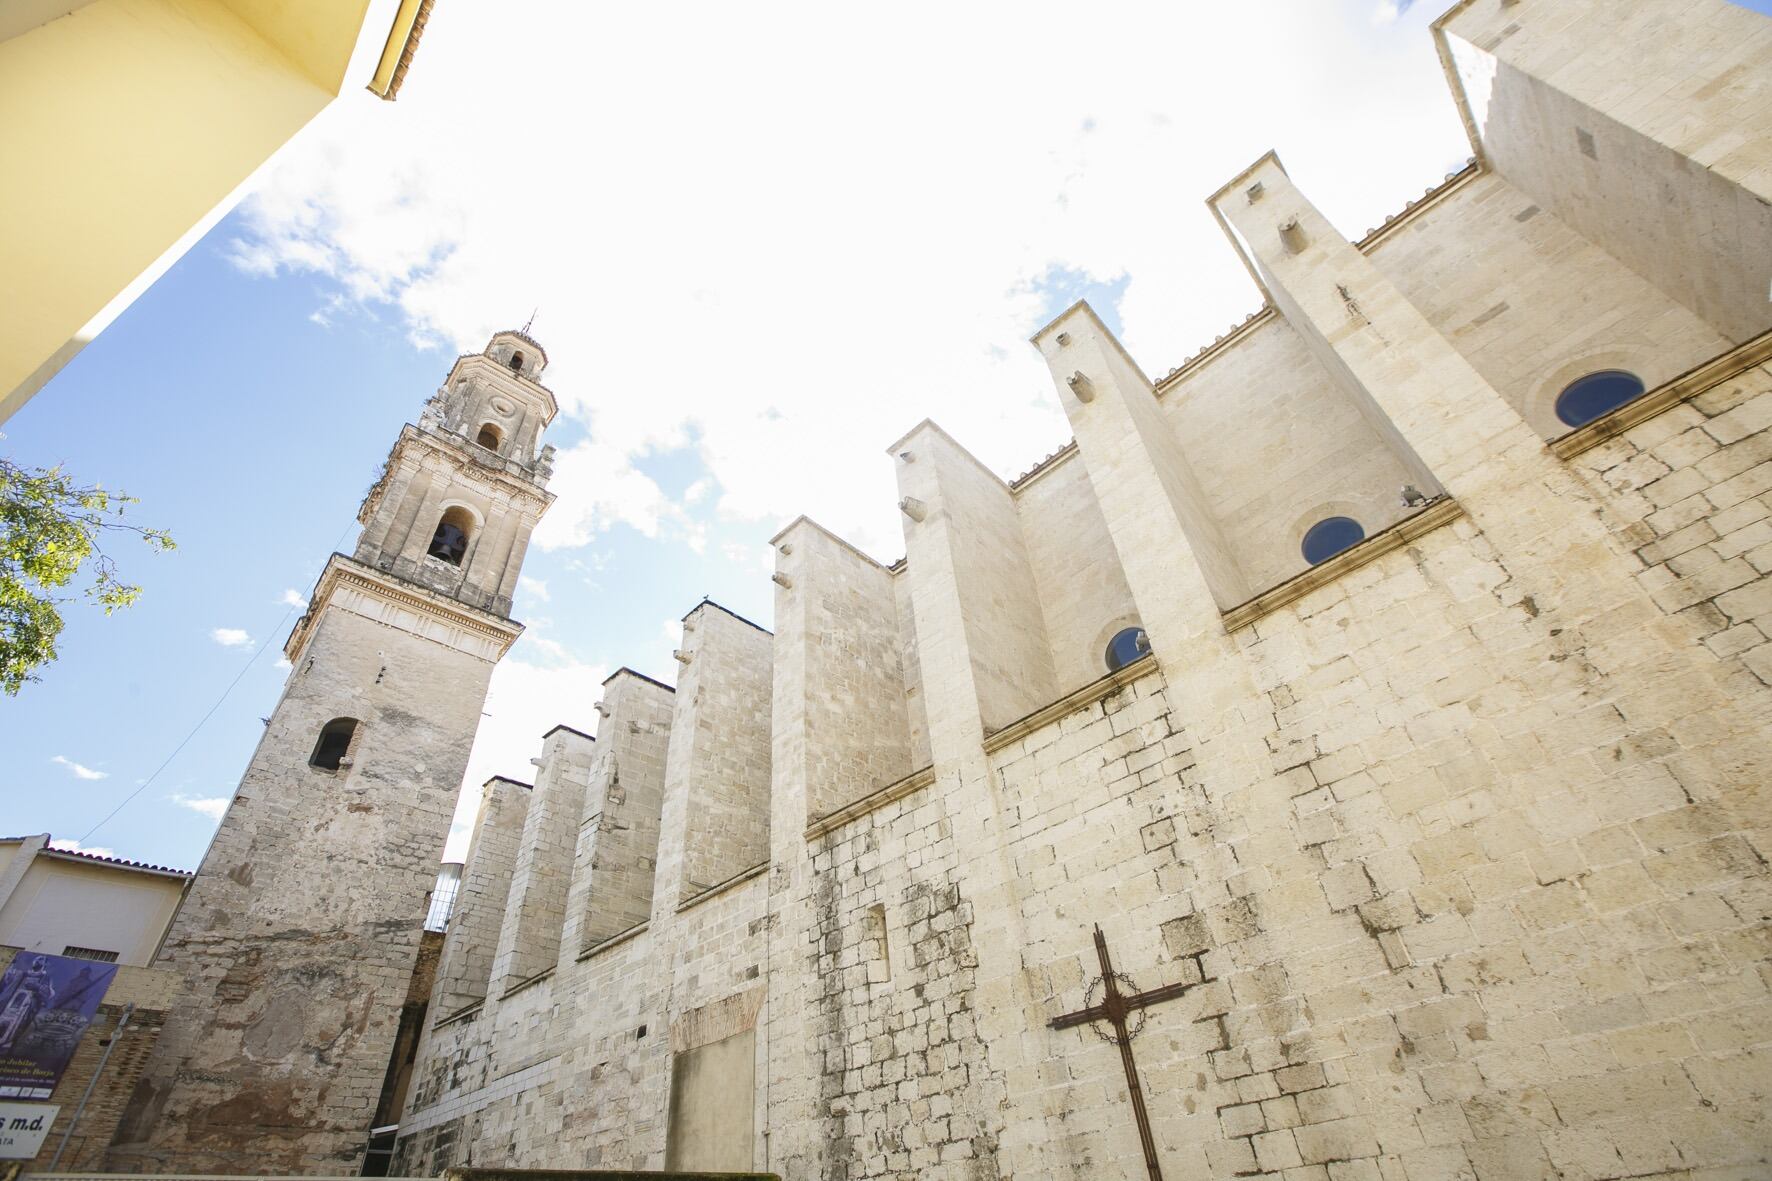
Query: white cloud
point(535, 588)
point(230, 637)
point(803, 256)
point(292, 598)
point(283, 663)
point(211, 806)
point(79, 770)
point(599, 487)
point(73, 846)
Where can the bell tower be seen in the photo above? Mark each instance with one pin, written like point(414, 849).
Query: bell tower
point(461, 491)
point(298, 936)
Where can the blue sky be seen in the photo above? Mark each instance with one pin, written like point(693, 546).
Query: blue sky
point(745, 295)
point(251, 432)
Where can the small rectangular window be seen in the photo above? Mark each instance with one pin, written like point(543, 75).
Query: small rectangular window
point(90, 953)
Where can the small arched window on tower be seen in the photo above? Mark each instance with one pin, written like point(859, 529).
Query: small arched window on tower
point(334, 744)
point(517, 360)
point(450, 541)
point(489, 437)
point(1329, 537)
point(1587, 398)
point(1129, 644)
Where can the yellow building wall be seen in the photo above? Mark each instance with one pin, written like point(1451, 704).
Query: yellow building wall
point(66, 903)
point(122, 125)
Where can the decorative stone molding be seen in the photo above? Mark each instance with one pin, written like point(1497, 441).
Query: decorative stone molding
point(617, 938)
point(721, 887)
point(1686, 386)
point(1442, 511)
point(1070, 703)
point(898, 789)
point(527, 981)
point(349, 585)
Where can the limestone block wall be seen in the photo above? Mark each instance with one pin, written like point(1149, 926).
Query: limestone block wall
point(617, 850)
point(1530, 303)
point(575, 1068)
point(535, 911)
point(470, 945)
point(1644, 126)
point(718, 765)
point(615, 1075)
point(903, 1087)
point(1462, 938)
point(718, 951)
point(478, 1076)
point(1690, 493)
point(837, 624)
point(1084, 599)
point(1278, 446)
point(297, 939)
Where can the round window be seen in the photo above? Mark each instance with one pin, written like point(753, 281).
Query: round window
point(1329, 537)
point(1586, 398)
point(1128, 644)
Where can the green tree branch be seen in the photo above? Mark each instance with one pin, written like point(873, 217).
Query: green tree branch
point(51, 527)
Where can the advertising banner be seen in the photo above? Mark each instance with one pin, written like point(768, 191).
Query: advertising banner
point(22, 1128)
point(46, 1003)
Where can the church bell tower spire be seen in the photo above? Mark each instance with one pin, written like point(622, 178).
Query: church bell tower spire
point(297, 939)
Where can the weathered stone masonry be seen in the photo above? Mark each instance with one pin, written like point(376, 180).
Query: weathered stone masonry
point(1458, 837)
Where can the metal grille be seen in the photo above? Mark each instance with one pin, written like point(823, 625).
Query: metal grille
point(90, 953)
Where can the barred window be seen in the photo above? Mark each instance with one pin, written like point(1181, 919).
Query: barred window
point(90, 953)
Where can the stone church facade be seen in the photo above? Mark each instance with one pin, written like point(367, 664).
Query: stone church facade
point(1450, 846)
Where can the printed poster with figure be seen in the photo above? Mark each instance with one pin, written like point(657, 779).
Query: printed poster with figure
point(46, 1003)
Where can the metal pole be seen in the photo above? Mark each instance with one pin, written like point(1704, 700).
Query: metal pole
point(116, 1036)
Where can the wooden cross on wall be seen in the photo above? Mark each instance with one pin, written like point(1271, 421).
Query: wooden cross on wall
point(1115, 1006)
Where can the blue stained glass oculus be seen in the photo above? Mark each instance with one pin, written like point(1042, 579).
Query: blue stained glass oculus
point(1329, 537)
point(1127, 645)
point(1586, 398)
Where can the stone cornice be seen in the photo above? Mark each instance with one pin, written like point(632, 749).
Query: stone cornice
point(1686, 386)
point(348, 585)
point(898, 789)
point(1414, 209)
point(527, 981)
point(1442, 511)
point(1070, 703)
point(465, 1013)
point(553, 403)
point(460, 457)
point(618, 938)
point(736, 879)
